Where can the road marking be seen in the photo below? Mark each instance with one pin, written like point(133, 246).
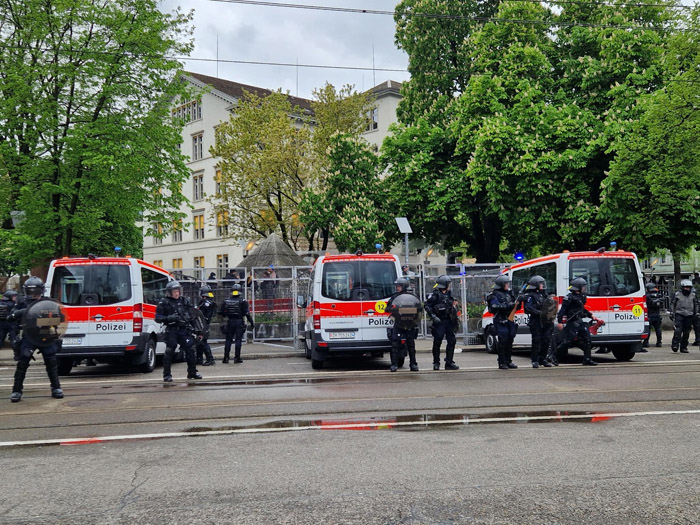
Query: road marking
point(355, 425)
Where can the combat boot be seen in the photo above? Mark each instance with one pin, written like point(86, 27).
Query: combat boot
point(535, 364)
point(57, 393)
point(436, 366)
point(226, 357)
point(587, 361)
point(209, 362)
point(15, 397)
point(451, 366)
point(511, 364)
point(194, 375)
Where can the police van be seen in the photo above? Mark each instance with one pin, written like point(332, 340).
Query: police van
point(615, 293)
point(345, 306)
point(110, 303)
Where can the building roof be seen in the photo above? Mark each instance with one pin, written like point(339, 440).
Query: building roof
point(390, 86)
point(236, 89)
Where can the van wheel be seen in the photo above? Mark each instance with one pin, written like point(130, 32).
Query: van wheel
point(316, 364)
point(65, 366)
point(625, 352)
point(491, 340)
point(150, 363)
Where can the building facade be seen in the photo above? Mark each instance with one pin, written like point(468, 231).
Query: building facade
point(199, 246)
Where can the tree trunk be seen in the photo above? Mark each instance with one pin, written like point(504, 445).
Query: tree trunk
point(676, 269)
point(324, 233)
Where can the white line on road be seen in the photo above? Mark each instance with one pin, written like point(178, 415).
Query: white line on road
point(354, 425)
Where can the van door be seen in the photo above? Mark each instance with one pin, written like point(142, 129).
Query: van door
point(68, 286)
point(376, 285)
point(111, 315)
point(340, 303)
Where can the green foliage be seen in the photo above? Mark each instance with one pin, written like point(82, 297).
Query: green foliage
point(352, 201)
point(508, 144)
point(265, 163)
point(87, 140)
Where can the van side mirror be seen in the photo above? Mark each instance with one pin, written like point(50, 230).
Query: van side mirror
point(301, 301)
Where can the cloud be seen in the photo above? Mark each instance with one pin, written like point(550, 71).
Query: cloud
point(286, 35)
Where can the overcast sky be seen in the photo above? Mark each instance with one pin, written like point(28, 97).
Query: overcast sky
point(287, 35)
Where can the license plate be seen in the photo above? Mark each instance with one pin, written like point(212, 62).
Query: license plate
point(341, 335)
point(72, 341)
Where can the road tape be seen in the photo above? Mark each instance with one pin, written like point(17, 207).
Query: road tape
point(377, 424)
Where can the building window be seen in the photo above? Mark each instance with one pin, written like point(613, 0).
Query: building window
point(217, 181)
point(177, 267)
point(222, 223)
point(197, 146)
point(198, 225)
point(158, 263)
point(373, 120)
point(158, 228)
point(177, 231)
point(188, 112)
point(221, 265)
point(198, 186)
point(198, 266)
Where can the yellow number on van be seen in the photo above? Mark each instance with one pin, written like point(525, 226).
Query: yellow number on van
point(380, 307)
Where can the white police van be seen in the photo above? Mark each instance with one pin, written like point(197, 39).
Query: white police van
point(345, 306)
point(110, 303)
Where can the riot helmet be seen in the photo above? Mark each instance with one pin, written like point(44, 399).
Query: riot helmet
point(10, 295)
point(236, 290)
point(171, 287)
point(34, 287)
point(535, 282)
point(403, 283)
point(205, 291)
point(651, 287)
point(443, 282)
point(501, 282)
point(686, 286)
point(578, 285)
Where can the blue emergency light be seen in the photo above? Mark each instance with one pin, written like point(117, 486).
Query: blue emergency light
point(519, 256)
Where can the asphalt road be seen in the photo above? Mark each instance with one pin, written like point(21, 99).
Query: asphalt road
point(272, 441)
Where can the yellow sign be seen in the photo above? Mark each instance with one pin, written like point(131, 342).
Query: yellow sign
point(637, 310)
point(380, 307)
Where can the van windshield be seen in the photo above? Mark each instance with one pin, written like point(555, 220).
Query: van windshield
point(606, 275)
point(91, 284)
point(358, 280)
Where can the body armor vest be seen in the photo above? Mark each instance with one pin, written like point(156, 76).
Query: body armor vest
point(233, 309)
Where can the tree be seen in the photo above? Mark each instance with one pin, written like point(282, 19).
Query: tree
point(353, 196)
point(86, 138)
point(335, 112)
point(265, 163)
point(652, 195)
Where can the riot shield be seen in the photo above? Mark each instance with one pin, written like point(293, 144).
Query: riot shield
point(549, 310)
point(44, 322)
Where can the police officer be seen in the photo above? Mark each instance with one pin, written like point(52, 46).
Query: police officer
point(535, 296)
point(655, 301)
point(33, 290)
point(570, 319)
point(7, 326)
point(440, 306)
point(208, 308)
point(173, 311)
point(684, 307)
point(500, 303)
point(405, 328)
point(235, 309)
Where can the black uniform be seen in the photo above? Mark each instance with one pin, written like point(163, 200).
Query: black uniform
point(208, 308)
point(655, 301)
point(574, 310)
point(541, 331)
point(684, 309)
point(7, 325)
point(24, 353)
point(175, 315)
point(500, 303)
point(235, 309)
point(440, 307)
point(403, 332)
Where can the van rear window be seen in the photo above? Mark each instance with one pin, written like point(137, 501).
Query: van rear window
point(353, 280)
point(91, 285)
point(607, 276)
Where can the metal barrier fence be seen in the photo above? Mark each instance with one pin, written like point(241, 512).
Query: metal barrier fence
point(272, 295)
